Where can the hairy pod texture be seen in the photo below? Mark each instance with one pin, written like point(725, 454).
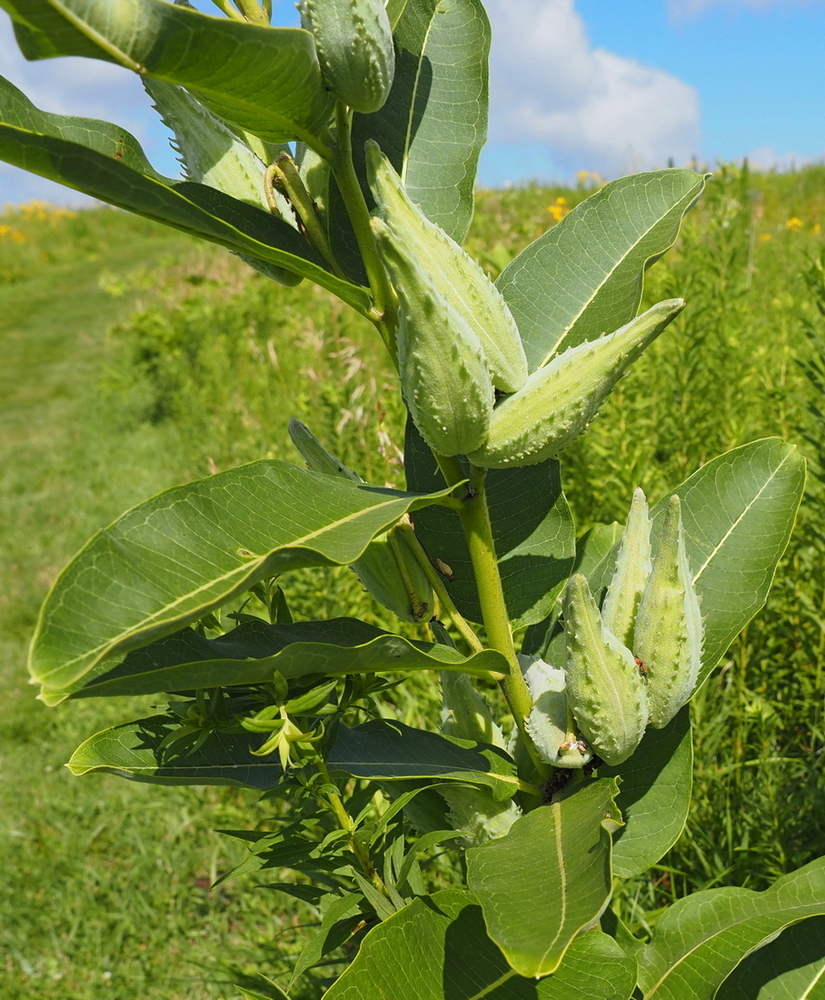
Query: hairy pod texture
point(465, 713)
point(669, 631)
point(477, 815)
point(605, 691)
point(633, 567)
point(550, 723)
point(449, 272)
point(387, 569)
point(212, 154)
point(353, 40)
point(444, 375)
point(559, 401)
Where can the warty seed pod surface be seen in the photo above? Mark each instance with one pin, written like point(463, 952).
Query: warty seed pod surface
point(606, 693)
point(558, 402)
point(454, 275)
point(669, 631)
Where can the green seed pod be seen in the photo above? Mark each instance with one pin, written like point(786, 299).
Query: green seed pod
point(449, 271)
point(444, 374)
point(390, 572)
point(476, 813)
point(212, 154)
point(632, 570)
point(550, 723)
point(669, 632)
point(353, 40)
point(387, 569)
point(558, 402)
point(606, 693)
point(465, 713)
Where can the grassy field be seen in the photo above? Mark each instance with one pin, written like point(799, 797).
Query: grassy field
point(131, 359)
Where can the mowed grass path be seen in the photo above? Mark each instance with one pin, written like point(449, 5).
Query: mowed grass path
point(104, 885)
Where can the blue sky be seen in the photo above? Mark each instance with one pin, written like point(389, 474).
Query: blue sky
point(598, 85)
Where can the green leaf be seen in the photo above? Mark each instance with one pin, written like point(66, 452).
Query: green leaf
point(437, 948)
point(134, 750)
point(106, 162)
point(434, 122)
point(584, 276)
point(701, 939)
point(654, 796)
point(275, 993)
point(266, 81)
point(595, 558)
point(338, 908)
point(738, 512)
point(171, 560)
point(532, 529)
point(249, 654)
point(388, 751)
point(790, 968)
point(548, 879)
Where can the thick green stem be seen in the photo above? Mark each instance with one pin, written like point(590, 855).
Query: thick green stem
point(253, 12)
point(384, 308)
point(229, 10)
point(345, 821)
point(478, 532)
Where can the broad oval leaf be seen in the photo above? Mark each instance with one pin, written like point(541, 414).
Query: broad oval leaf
point(108, 163)
point(439, 944)
point(172, 559)
point(135, 750)
point(790, 968)
point(390, 751)
point(549, 878)
point(654, 796)
point(249, 653)
point(266, 81)
point(532, 529)
point(701, 939)
point(584, 276)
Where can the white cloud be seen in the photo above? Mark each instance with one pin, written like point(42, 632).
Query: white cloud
point(692, 8)
point(591, 109)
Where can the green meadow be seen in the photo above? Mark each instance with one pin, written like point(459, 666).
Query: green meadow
point(132, 358)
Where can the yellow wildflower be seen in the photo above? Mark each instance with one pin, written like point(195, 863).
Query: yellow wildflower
point(764, 237)
point(558, 209)
point(794, 224)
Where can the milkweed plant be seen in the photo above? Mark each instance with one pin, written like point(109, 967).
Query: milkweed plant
point(477, 858)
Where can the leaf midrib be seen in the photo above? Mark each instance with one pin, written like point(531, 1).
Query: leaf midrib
point(756, 497)
point(715, 935)
point(414, 100)
point(609, 274)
